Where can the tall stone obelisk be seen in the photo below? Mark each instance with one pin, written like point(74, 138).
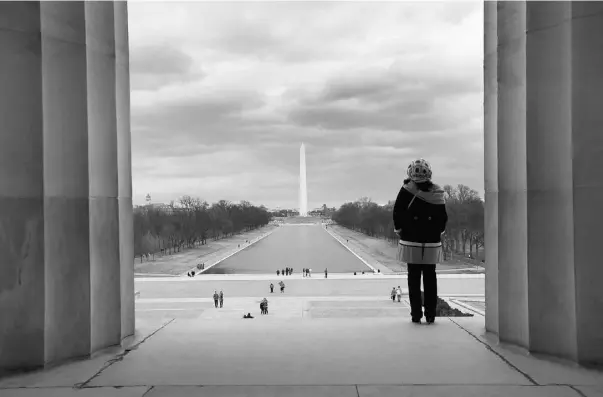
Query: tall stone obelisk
point(303, 189)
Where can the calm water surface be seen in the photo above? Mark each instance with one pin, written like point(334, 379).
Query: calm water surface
point(292, 246)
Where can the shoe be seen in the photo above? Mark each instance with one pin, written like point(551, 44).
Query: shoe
point(430, 320)
point(416, 320)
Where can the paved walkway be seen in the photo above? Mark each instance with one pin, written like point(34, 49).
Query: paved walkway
point(311, 356)
point(327, 344)
point(248, 285)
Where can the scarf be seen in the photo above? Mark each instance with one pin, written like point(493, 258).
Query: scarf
point(435, 195)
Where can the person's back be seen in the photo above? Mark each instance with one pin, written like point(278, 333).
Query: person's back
point(420, 219)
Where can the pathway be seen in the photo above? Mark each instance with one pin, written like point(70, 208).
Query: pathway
point(321, 348)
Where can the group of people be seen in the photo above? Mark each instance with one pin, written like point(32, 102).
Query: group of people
point(307, 272)
point(264, 306)
point(218, 298)
point(281, 284)
point(420, 220)
point(285, 272)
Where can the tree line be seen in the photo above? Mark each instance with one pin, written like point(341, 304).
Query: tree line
point(464, 231)
point(191, 222)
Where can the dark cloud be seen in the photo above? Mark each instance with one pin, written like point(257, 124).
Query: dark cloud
point(385, 99)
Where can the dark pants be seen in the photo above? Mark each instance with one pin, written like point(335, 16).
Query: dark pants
point(216, 303)
point(221, 302)
point(430, 290)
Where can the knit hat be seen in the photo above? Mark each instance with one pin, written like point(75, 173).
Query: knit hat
point(419, 171)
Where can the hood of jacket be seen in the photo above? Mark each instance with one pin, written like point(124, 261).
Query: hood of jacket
point(435, 195)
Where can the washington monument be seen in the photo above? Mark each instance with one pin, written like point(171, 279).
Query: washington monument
point(303, 189)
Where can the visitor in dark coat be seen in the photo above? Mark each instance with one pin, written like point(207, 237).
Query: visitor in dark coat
point(420, 219)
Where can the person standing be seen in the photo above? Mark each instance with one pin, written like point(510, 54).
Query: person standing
point(420, 220)
point(271, 288)
point(216, 298)
point(326, 272)
point(221, 298)
point(393, 294)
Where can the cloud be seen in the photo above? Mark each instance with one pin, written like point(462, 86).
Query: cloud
point(224, 93)
point(159, 65)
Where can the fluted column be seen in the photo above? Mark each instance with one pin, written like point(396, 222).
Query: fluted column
point(102, 151)
point(66, 281)
point(66, 222)
point(124, 168)
point(587, 170)
point(21, 187)
point(551, 298)
point(550, 176)
point(491, 163)
point(512, 197)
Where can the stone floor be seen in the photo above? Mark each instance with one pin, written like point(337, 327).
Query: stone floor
point(351, 343)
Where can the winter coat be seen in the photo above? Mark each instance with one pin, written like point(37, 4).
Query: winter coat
point(421, 218)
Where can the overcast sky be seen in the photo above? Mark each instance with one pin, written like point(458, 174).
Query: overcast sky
point(223, 94)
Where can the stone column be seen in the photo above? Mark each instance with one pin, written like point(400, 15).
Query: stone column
point(550, 242)
point(491, 163)
point(512, 197)
point(124, 168)
point(66, 222)
point(62, 293)
point(21, 187)
point(587, 170)
point(550, 79)
point(105, 268)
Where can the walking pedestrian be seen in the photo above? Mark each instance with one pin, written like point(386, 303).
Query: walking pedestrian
point(326, 272)
point(278, 272)
point(271, 288)
point(283, 272)
point(393, 294)
point(221, 298)
point(216, 298)
point(399, 293)
point(420, 220)
point(282, 287)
